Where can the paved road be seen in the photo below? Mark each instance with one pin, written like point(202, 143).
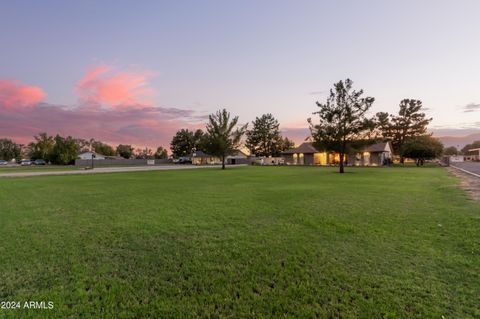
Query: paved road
point(105, 170)
point(472, 167)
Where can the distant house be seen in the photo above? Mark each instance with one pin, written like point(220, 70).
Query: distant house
point(88, 156)
point(307, 154)
point(238, 157)
point(473, 155)
point(270, 160)
point(202, 158)
point(377, 154)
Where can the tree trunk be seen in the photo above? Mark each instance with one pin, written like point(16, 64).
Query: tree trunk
point(223, 162)
point(342, 154)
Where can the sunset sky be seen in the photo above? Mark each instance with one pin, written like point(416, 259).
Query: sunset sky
point(136, 71)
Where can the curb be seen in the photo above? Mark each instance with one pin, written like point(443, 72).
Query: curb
point(465, 171)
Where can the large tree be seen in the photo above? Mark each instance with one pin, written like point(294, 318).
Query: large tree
point(451, 150)
point(223, 135)
point(342, 119)
point(9, 149)
point(421, 148)
point(264, 138)
point(286, 144)
point(42, 147)
point(64, 151)
point(125, 151)
point(185, 142)
point(144, 153)
point(467, 147)
point(103, 148)
point(409, 122)
point(161, 153)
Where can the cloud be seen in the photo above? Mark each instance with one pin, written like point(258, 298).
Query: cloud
point(14, 94)
point(113, 107)
point(108, 86)
point(148, 126)
point(471, 107)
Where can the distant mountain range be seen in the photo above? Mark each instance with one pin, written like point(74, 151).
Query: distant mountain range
point(457, 137)
point(459, 141)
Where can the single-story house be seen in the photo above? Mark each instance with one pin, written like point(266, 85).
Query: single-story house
point(202, 158)
point(377, 154)
point(270, 160)
point(88, 156)
point(307, 154)
point(473, 155)
point(238, 157)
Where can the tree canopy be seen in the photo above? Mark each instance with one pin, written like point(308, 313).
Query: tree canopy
point(42, 147)
point(264, 138)
point(185, 142)
point(342, 119)
point(161, 153)
point(64, 151)
point(125, 150)
point(144, 153)
point(421, 148)
point(452, 150)
point(473, 145)
point(9, 149)
point(103, 148)
point(223, 135)
point(409, 122)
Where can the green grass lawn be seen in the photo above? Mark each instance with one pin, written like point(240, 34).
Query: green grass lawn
point(246, 242)
point(20, 169)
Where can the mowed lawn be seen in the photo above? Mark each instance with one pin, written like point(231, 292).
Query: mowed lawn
point(26, 169)
point(298, 242)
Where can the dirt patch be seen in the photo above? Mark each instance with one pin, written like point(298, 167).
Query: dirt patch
point(469, 183)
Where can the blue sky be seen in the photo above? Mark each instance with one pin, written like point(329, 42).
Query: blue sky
point(253, 57)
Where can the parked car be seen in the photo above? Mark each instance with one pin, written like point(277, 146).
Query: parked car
point(184, 160)
point(39, 162)
point(2, 162)
point(25, 162)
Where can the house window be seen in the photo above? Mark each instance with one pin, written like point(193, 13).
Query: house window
point(320, 158)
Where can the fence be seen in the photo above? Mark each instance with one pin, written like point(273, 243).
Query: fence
point(121, 162)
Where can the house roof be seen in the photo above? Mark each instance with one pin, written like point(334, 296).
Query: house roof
point(308, 148)
point(305, 148)
point(199, 154)
point(238, 153)
point(377, 147)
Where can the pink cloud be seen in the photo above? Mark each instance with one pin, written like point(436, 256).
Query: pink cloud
point(14, 94)
point(106, 85)
point(141, 127)
point(125, 115)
